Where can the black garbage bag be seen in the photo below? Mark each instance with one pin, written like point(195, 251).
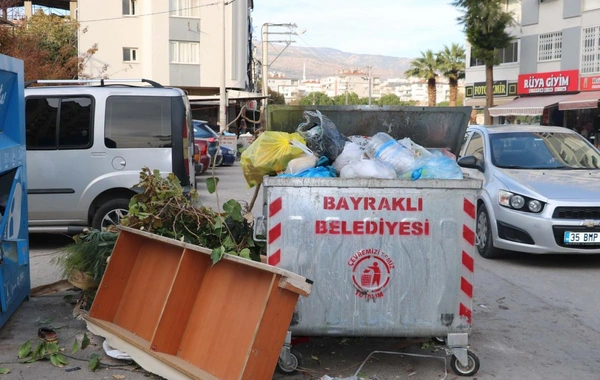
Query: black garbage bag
point(321, 135)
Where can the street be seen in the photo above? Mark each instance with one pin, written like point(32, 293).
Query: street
point(535, 317)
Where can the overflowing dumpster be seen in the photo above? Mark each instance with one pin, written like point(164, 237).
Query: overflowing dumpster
point(389, 257)
point(14, 246)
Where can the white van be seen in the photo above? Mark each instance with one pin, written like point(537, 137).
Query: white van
point(87, 142)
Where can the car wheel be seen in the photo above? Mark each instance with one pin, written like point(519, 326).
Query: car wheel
point(485, 240)
point(110, 213)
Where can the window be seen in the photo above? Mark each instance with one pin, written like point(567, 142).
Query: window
point(588, 5)
point(128, 7)
point(185, 8)
point(514, 7)
point(184, 52)
point(130, 54)
point(66, 120)
point(509, 54)
point(138, 122)
point(590, 50)
point(475, 147)
point(549, 46)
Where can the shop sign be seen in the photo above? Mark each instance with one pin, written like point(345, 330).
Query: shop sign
point(549, 83)
point(590, 83)
point(500, 89)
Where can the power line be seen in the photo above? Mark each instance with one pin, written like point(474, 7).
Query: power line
point(159, 13)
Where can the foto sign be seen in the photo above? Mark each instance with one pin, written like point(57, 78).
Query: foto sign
point(549, 83)
point(500, 89)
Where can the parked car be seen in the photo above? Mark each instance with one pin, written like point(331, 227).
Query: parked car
point(203, 132)
point(87, 143)
point(228, 156)
point(201, 157)
point(541, 189)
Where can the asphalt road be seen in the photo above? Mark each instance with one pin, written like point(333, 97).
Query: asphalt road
point(535, 317)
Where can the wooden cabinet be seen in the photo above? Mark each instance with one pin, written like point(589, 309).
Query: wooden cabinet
point(163, 303)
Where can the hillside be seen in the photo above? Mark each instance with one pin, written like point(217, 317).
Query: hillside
point(321, 62)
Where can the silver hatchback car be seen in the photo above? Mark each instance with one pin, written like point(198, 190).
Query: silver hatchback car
point(541, 189)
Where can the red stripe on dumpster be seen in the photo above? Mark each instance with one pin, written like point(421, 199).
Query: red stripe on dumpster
point(275, 206)
point(465, 312)
point(275, 258)
point(275, 233)
point(469, 208)
point(469, 235)
point(466, 287)
point(468, 261)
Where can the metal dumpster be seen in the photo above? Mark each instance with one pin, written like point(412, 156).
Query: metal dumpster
point(14, 246)
point(389, 258)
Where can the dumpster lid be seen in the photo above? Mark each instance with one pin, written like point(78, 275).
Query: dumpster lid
point(431, 127)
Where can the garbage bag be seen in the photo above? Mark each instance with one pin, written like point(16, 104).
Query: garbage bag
point(436, 166)
point(369, 168)
point(269, 155)
point(352, 152)
point(321, 135)
point(316, 172)
point(417, 149)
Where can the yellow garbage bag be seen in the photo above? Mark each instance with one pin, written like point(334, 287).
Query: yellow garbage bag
point(269, 154)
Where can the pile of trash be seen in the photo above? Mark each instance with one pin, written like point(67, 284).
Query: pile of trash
point(318, 150)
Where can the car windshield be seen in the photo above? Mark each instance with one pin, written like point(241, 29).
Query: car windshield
point(542, 150)
point(203, 131)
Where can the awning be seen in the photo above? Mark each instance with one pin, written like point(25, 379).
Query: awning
point(583, 100)
point(528, 106)
point(480, 102)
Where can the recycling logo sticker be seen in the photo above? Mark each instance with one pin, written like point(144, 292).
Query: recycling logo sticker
point(371, 272)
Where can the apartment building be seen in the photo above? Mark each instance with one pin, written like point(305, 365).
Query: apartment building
point(551, 71)
point(413, 89)
point(352, 80)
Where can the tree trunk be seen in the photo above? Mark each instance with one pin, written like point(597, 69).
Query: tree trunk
point(489, 92)
point(453, 91)
point(431, 92)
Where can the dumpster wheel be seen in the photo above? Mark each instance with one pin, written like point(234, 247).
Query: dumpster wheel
point(468, 370)
point(296, 361)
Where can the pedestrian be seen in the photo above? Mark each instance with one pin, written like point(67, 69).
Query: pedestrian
point(242, 129)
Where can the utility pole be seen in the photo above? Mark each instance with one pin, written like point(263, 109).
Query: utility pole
point(370, 81)
point(222, 89)
point(346, 91)
point(265, 61)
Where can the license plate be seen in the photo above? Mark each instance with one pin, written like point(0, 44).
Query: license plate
point(582, 237)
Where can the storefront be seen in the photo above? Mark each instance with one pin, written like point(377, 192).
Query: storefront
point(475, 94)
point(582, 112)
point(540, 95)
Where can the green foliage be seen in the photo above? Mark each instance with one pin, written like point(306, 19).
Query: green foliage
point(163, 209)
point(485, 23)
point(316, 98)
point(276, 97)
point(452, 62)
point(51, 351)
point(88, 254)
point(94, 362)
point(4, 371)
point(425, 67)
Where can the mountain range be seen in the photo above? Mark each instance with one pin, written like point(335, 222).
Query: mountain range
point(323, 62)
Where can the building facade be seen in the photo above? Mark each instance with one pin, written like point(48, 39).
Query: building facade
point(551, 72)
point(173, 42)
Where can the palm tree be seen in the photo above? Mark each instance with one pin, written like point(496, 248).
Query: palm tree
point(426, 67)
point(452, 66)
point(485, 23)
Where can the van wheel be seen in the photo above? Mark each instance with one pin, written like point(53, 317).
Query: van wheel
point(110, 213)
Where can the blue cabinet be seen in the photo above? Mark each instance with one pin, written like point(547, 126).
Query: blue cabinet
point(14, 242)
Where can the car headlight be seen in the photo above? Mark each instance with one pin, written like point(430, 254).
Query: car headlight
point(230, 152)
point(518, 202)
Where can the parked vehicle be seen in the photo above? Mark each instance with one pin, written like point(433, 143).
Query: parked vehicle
point(541, 191)
point(203, 132)
point(87, 142)
point(228, 156)
point(201, 156)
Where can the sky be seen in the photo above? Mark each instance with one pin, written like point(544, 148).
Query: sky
point(397, 28)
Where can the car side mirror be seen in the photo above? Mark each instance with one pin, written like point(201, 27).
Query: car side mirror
point(470, 162)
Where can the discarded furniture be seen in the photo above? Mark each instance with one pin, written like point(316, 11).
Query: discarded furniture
point(162, 302)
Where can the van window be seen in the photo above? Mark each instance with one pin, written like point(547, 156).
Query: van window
point(73, 129)
point(138, 122)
